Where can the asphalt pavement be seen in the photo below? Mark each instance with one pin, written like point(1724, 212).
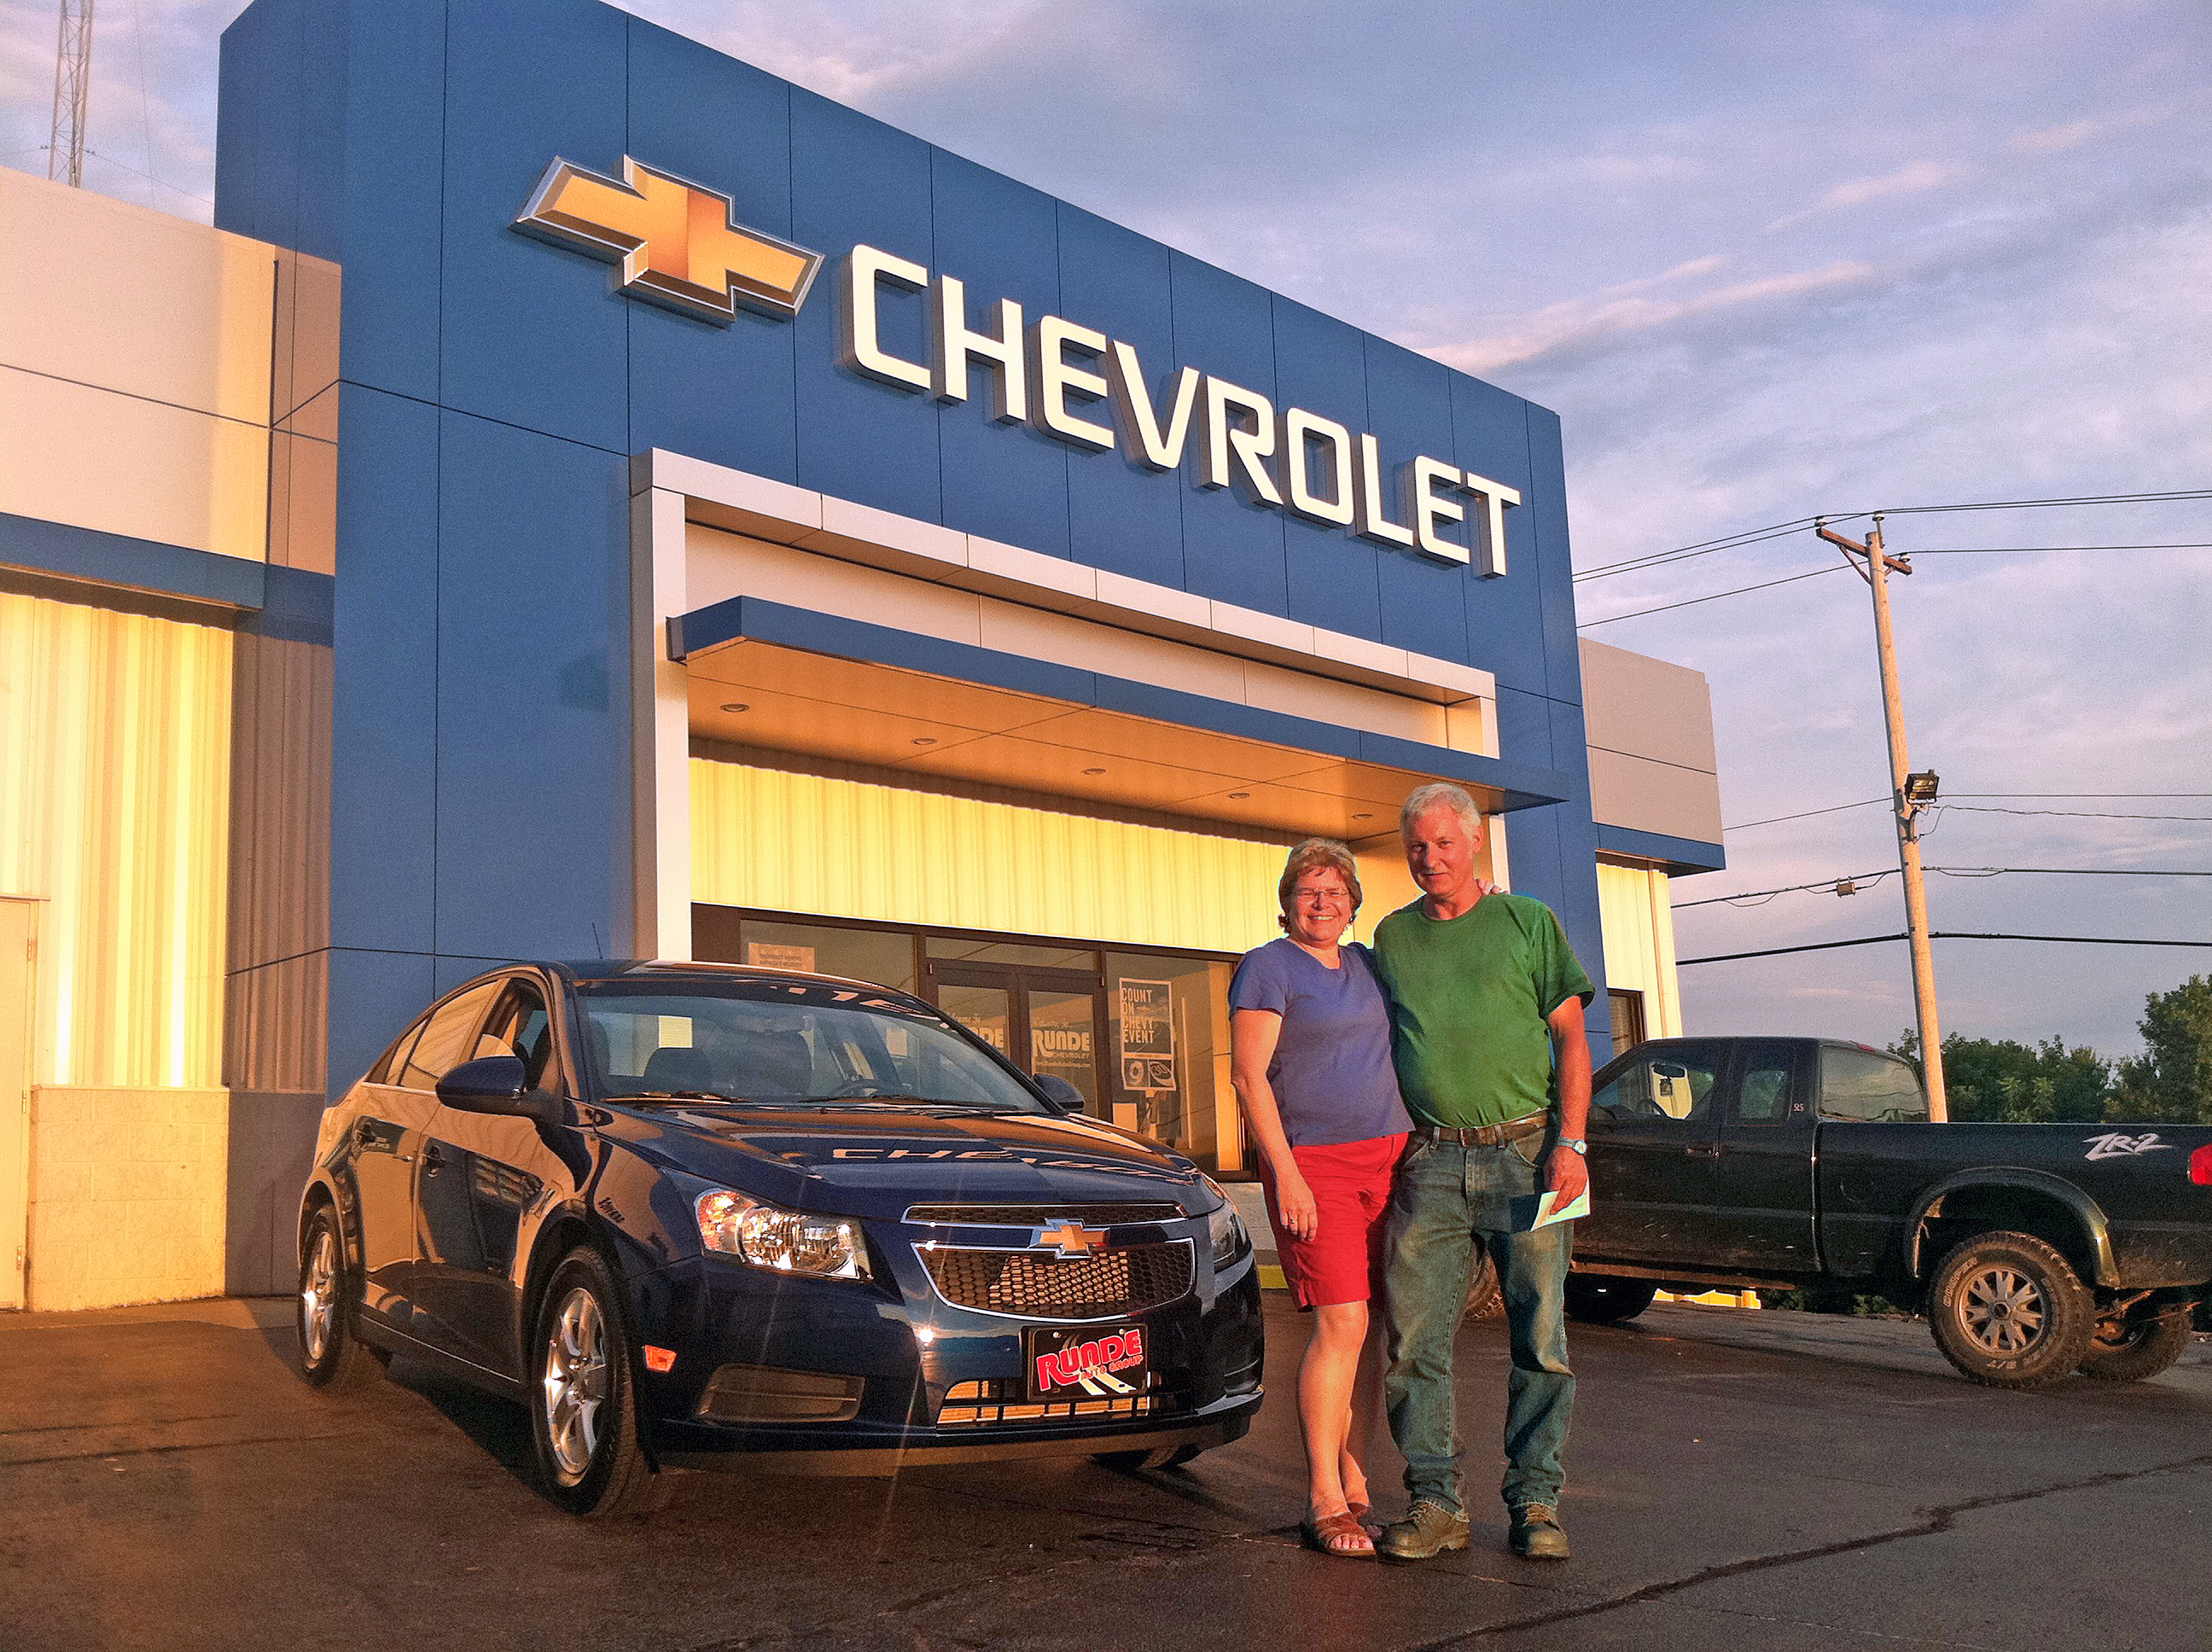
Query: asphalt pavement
point(1738, 1479)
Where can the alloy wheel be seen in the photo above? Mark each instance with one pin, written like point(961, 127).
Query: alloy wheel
point(319, 1294)
point(575, 1383)
point(2003, 1310)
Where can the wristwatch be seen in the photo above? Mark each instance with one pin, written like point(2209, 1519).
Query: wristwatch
point(1574, 1146)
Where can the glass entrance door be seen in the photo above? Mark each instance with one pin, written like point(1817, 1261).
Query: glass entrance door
point(1044, 1021)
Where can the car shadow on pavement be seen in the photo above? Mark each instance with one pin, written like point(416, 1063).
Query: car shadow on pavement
point(499, 1427)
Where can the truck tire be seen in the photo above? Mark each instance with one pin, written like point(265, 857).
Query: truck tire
point(2132, 1349)
point(1596, 1300)
point(1483, 1300)
point(2007, 1310)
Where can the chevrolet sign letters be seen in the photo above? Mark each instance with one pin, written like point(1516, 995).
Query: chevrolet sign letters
point(678, 245)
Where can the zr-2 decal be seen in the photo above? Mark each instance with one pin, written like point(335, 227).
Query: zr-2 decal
point(2117, 1144)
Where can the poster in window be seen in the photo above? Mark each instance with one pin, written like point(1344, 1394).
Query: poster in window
point(1148, 1053)
point(773, 956)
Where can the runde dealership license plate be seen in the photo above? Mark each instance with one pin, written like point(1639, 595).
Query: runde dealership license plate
point(1084, 1362)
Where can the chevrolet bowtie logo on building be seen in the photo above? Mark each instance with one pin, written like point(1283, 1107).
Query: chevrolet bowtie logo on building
point(1072, 1238)
point(674, 243)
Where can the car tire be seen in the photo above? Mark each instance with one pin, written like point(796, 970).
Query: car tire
point(1484, 1300)
point(2133, 1350)
point(331, 1355)
point(1596, 1300)
point(583, 1403)
point(2007, 1310)
point(1135, 1462)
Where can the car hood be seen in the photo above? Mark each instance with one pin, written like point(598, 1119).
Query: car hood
point(876, 1161)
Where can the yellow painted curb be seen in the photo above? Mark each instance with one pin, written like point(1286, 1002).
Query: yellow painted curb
point(1271, 1277)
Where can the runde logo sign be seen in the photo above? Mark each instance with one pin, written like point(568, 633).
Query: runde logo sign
point(675, 243)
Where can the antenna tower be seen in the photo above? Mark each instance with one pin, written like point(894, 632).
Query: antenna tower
point(72, 93)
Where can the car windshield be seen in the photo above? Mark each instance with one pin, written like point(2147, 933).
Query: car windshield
point(768, 1041)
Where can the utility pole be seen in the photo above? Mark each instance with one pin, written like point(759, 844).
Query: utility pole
point(1909, 794)
point(72, 94)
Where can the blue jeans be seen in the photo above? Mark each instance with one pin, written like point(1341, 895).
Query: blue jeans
point(1449, 1198)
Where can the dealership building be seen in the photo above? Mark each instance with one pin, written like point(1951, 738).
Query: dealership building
point(588, 497)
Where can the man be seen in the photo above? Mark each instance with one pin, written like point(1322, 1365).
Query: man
point(1483, 988)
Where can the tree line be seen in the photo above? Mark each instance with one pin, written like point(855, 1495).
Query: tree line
point(2003, 1081)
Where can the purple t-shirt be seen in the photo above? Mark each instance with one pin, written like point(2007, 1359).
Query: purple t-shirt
point(1331, 1073)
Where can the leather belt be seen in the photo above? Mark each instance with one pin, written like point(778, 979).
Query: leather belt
point(1486, 1135)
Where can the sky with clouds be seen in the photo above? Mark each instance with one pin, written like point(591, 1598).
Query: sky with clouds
point(1767, 260)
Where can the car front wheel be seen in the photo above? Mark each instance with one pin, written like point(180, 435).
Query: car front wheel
point(330, 1355)
point(583, 1405)
point(2007, 1310)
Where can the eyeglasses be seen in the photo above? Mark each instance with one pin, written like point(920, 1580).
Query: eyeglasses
point(1322, 896)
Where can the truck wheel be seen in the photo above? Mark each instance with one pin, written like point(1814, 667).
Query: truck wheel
point(1595, 1300)
point(1483, 1300)
point(2006, 1311)
point(2131, 1350)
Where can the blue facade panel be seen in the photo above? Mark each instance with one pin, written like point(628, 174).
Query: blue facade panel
point(533, 670)
point(725, 394)
point(496, 382)
point(385, 687)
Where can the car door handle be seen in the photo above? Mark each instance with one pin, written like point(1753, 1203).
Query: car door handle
point(1703, 1153)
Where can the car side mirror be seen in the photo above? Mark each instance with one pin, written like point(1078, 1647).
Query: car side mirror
point(496, 1085)
point(1063, 1095)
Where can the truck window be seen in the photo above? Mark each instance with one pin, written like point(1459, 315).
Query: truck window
point(1764, 1095)
point(1865, 1087)
point(1665, 1084)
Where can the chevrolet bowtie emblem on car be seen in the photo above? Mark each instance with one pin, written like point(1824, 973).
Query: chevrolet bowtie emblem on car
point(674, 243)
point(1072, 1238)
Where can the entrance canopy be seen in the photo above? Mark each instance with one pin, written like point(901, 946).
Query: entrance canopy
point(769, 675)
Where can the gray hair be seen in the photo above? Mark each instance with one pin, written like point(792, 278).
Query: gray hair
point(1440, 794)
point(1315, 854)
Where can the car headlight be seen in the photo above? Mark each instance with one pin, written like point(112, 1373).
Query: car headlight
point(766, 1235)
point(1226, 1228)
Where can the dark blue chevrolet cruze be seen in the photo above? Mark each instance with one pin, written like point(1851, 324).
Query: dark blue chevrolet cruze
point(697, 1216)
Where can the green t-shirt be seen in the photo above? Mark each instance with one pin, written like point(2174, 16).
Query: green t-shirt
point(1468, 996)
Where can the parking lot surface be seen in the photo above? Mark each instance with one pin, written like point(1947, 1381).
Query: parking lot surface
point(1737, 1479)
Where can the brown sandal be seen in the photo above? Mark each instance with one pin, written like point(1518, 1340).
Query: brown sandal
point(1322, 1533)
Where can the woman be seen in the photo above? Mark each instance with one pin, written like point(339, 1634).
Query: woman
point(1309, 1043)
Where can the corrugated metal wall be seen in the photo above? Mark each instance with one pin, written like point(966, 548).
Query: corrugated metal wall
point(846, 848)
point(1639, 942)
point(114, 801)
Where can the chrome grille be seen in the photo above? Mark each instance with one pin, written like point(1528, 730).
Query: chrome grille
point(1040, 1285)
point(1041, 1215)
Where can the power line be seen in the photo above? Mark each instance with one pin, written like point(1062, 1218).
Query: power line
point(1868, 879)
point(1692, 602)
point(1833, 808)
point(2038, 550)
point(1934, 935)
point(1778, 530)
point(2071, 814)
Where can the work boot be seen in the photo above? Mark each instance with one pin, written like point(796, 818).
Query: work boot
point(1536, 1534)
point(1428, 1529)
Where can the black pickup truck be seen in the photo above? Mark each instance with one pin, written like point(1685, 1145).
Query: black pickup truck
point(2034, 1249)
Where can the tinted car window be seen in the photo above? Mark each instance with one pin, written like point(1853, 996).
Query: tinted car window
point(1859, 1086)
point(778, 1043)
point(1675, 1083)
point(387, 1068)
point(1763, 1097)
point(445, 1040)
point(520, 1027)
